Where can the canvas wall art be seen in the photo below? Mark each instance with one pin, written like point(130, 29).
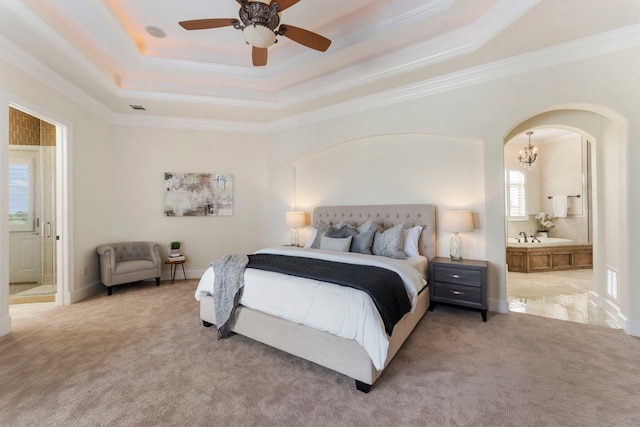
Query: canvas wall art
point(198, 194)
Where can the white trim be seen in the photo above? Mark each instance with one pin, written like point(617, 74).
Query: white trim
point(498, 305)
point(64, 194)
point(41, 72)
point(5, 319)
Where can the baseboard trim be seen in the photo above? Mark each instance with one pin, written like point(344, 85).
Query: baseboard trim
point(80, 294)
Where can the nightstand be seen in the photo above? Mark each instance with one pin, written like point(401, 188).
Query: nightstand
point(462, 283)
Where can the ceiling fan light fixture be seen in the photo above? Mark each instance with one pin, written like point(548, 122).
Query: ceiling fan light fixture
point(259, 36)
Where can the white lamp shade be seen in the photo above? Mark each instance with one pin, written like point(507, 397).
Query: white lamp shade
point(295, 219)
point(259, 36)
point(457, 221)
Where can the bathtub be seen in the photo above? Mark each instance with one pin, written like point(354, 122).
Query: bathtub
point(550, 254)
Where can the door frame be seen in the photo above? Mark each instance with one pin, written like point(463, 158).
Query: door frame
point(64, 197)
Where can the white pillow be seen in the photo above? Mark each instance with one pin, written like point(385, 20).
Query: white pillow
point(335, 244)
point(314, 233)
point(411, 238)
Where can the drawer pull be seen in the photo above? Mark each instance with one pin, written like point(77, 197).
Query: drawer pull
point(455, 276)
point(457, 292)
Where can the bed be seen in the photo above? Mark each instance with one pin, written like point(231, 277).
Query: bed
point(350, 354)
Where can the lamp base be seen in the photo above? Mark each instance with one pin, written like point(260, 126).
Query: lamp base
point(295, 237)
point(455, 248)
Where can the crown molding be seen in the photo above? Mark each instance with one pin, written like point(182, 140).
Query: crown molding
point(192, 124)
point(600, 44)
point(20, 59)
point(461, 42)
point(197, 99)
point(60, 43)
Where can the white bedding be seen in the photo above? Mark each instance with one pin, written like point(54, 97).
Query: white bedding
point(342, 311)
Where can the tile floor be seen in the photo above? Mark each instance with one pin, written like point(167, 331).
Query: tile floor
point(561, 295)
point(28, 310)
point(24, 294)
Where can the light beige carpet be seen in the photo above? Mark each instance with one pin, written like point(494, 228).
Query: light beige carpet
point(142, 357)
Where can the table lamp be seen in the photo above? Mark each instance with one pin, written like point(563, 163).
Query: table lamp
point(456, 222)
point(295, 220)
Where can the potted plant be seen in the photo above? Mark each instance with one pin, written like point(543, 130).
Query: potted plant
point(545, 224)
point(175, 248)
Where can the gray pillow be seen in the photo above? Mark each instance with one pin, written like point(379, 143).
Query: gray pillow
point(332, 244)
point(368, 226)
point(362, 242)
point(344, 231)
point(389, 243)
point(323, 227)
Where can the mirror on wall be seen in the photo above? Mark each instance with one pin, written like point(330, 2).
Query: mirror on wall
point(558, 185)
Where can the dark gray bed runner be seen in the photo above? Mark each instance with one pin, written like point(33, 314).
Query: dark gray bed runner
point(385, 287)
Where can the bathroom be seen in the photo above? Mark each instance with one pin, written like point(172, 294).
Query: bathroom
point(557, 187)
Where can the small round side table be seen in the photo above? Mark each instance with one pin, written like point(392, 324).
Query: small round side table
point(173, 263)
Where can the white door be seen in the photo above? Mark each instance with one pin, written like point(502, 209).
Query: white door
point(25, 222)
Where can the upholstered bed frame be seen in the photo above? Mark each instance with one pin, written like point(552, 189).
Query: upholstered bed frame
point(344, 356)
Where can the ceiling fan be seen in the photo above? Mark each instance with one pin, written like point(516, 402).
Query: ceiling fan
point(260, 25)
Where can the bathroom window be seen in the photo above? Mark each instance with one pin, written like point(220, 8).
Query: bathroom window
point(516, 195)
point(21, 190)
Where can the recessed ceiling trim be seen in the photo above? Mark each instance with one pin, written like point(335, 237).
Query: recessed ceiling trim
point(569, 52)
point(191, 124)
point(60, 43)
point(588, 47)
point(196, 99)
point(22, 60)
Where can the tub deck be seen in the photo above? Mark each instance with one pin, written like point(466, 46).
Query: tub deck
point(548, 255)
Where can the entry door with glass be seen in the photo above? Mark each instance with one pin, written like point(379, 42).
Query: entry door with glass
point(32, 250)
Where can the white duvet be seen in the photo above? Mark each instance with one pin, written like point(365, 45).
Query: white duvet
point(342, 311)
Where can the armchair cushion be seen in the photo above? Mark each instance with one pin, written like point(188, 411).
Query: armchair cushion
point(127, 262)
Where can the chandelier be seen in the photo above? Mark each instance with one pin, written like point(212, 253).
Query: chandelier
point(528, 155)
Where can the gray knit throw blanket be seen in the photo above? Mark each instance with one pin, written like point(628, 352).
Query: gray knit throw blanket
point(228, 285)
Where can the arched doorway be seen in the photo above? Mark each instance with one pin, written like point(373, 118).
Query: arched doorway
point(606, 131)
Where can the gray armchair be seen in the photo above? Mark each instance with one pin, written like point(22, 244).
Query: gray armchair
point(128, 262)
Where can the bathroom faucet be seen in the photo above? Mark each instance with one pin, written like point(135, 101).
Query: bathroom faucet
point(522, 233)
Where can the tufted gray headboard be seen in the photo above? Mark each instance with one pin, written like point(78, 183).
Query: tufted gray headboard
point(387, 216)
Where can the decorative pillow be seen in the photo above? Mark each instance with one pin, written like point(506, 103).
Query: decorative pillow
point(332, 244)
point(341, 232)
point(389, 243)
point(411, 238)
point(314, 233)
point(323, 227)
point(362, 242)
point(369, 226)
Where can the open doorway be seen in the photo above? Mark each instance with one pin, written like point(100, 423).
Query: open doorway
point(549, 226)
point(32, 209)
point(59, 232)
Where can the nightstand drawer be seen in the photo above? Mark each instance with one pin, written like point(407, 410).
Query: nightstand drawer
point(460, 294)
point(458, 276)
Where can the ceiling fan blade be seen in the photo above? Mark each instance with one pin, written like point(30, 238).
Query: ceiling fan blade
point(259, 56)
point(305, 37)
point(204, 24)
point(284, 4)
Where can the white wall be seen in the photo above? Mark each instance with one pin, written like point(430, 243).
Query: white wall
point(142, 155)
point(396, 169)
point(561, 172)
